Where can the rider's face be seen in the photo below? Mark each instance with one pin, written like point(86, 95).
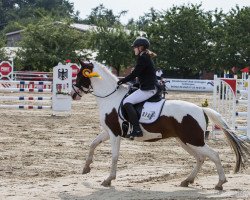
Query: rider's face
point(137, 50)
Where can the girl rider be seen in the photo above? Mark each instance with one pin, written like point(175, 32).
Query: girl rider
point(145, 71)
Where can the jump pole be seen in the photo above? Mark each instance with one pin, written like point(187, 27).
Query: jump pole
point(248, 109)
point(61, 98)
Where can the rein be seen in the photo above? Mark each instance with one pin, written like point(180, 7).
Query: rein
point(91, 92)
point(105, 95)
point(76, 91)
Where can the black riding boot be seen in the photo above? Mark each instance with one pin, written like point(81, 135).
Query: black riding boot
point(133, 119)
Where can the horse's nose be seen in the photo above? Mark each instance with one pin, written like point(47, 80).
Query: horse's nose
point(74, 96)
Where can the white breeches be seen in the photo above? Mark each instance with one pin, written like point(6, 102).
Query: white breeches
point(139, 96)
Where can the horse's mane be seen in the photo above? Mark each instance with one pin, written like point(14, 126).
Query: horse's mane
point(106, 70)
point(106, 73)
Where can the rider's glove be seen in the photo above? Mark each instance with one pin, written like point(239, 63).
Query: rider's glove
point(119, 82)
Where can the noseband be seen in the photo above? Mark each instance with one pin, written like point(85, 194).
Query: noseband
point(80, 88)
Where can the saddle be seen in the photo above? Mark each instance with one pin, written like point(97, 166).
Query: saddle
point(147, 111)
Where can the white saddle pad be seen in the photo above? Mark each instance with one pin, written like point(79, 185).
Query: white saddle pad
point(151, 111)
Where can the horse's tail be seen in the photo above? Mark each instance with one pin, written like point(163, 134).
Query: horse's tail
point(241, 148)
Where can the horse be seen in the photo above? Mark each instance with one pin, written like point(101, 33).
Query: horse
point(182, 120)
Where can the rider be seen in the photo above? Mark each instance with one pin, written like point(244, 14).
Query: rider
point(145, 71)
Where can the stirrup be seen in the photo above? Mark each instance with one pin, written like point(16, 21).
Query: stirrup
point(134, 134)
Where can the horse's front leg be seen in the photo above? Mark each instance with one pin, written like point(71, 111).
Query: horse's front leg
point(115, 145)
point(103, 136)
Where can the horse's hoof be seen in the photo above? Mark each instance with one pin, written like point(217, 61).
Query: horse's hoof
point(86, 170)
point(106, 183)
point(184, 183)
point(218, 187)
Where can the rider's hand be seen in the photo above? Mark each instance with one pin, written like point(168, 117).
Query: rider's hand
point(136, 85)
point(119, 82)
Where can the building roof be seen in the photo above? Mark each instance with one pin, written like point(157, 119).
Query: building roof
point(86, 27)
point(14, 32)
point(83, 27)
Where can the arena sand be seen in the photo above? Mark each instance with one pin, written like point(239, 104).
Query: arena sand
point(42, 156)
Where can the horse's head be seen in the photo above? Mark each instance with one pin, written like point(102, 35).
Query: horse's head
point(83, 83)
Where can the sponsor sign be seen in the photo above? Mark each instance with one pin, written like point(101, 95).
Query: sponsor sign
point(189, 85)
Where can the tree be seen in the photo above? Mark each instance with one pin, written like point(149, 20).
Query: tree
point(113, 46)
point(46, 43)
point(181, 38)
point(102, 16)
point(3, 55)
point(147, 19)
point(232, 41)
point(110, 40)
point(26, 11)
point(217, 35)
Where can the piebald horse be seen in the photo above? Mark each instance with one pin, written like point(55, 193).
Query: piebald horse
point(180, 119)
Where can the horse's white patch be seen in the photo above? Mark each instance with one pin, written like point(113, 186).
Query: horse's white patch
point(179, 109)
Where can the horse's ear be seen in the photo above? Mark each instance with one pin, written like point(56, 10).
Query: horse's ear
point(88, 65)
point(81, 63)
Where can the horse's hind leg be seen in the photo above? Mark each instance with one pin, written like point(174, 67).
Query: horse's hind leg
point(103, 136)
point(199, 161)
point(214, 156)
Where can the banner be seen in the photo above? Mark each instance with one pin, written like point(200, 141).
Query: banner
point(189, 85)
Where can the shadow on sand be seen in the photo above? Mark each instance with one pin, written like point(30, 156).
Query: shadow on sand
point(129, 193)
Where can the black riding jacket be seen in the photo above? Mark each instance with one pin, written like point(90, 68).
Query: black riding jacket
point(145, 71)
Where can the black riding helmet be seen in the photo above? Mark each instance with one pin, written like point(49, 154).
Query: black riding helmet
point(141, 41)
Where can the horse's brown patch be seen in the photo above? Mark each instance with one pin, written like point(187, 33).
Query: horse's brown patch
point(112, 122)
point(81, 80)
point(189, 131)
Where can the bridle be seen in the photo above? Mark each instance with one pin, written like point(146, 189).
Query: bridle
point(80, 88)
point(90, 91)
